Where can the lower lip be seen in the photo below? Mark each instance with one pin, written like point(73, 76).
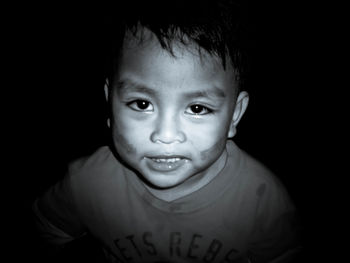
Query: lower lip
point(164, 166)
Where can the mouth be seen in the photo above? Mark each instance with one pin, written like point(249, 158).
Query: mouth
point(166, 159)
point(165, 163)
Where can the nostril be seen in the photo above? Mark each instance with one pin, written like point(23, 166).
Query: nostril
point(176, 137)
point(167, 129)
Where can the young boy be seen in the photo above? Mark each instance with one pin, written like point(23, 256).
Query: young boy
point(172, 186)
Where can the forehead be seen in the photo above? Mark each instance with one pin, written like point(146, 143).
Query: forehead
point(187, 67)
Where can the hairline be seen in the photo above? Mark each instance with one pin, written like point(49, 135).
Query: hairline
point(183, 42)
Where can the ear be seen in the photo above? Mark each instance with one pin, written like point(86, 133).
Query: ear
point(240, 108)
point(106, 88)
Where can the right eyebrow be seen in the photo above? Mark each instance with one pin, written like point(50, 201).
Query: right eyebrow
point(131, 86)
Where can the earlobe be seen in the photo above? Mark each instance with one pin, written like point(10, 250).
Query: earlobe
point(240, 108)
point(106, 90)
point(232, 131)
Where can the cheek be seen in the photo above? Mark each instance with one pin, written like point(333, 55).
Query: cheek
point(215, 138)
point(122, 144)
point(122, 137)
point(214, 150)
point(208, 142)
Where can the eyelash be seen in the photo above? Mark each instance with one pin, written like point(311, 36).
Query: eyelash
point(137, 105)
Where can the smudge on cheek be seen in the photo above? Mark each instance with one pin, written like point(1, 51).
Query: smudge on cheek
point(217, 148)
point(123, 145)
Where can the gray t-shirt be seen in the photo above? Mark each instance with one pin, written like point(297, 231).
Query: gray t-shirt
point(243, 213)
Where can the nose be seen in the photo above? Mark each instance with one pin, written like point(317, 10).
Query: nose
point(167, 131)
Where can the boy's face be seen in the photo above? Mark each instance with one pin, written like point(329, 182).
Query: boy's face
point(171, 116)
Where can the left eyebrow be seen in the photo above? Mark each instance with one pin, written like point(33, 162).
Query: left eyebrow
point(214, 92)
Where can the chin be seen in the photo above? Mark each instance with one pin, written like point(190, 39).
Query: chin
point(164, 181)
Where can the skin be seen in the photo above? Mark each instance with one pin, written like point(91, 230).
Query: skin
point(164, 105)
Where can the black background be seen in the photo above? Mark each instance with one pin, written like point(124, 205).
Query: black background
point(58, 110)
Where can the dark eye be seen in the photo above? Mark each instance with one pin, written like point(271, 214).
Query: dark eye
point(141, 105)
point(198, 109)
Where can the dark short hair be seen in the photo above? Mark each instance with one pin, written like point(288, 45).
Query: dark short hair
point(215, 26)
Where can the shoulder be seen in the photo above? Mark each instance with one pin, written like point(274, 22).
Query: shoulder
point(258, 172)
point(95, 179)
point(98, 158)
point(272, 198)
point(277, 222)
point(258, 181)
point(259, 202)
point(248, 168)
point(95, 171)
point(102, 162)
